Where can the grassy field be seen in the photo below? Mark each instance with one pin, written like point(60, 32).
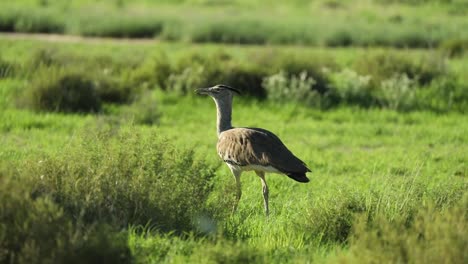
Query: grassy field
point(403, 23)
point(107, 154)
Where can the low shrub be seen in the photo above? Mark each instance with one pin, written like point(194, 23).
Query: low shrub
point(433, 236)
point(30, 21)
point(36, 230)
point(187, 80)
point(281, 88)
point(454, 48)
point(39, 22)
point(124, 178)
point(54, 89)
point(239, 32)
point(291, 64)
point(112, 89)
point(143, 111)
point(7, 68)
point(350, 88)
point(120, 26)
point(397, 93)
point(382, 66)
point(58, 84)
point(150, 74)
point(7, 20)
point(340, 38)
point(332, 219)
point(444, 94)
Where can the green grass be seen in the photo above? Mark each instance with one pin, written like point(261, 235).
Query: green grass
point(357, 23)
point(141, 181)
point(403, 80)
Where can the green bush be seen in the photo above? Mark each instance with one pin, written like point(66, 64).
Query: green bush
point(143, 111)
point(348, 87)
point(383, 66)
point(130, 178)
point(7, 20)
point(314, 66)
point(30, 21)
point(340, 38)
point(150, 74)
point(120, 26)
point(280, 88)
point(36, 230)
point(332, 220)
point(70, 83)
point(7, 68)
point(433, 236)
point(397, 93)
point(39, 22)
point(54, 89)
point(454, 47)
point(111, 89)
point(444, 94)
point(239, 32)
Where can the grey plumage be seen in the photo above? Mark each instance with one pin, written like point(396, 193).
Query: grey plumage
point(245, 149)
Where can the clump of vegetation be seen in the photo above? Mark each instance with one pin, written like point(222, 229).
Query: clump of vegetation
point(350, 88)
point(36, 229)
point(332, 220)
point(444, 94)
point(382, 66)
point(280, 88)
point(397, 93)
point(30, 21)
point(54, 89)
point(454, 48)
point(64, 82)
point(143, 111)
point(433, 235)
point(129, 178)
point(120, 26)
point(7, 68)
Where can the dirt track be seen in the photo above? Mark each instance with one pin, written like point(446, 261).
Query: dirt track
point(74, 39)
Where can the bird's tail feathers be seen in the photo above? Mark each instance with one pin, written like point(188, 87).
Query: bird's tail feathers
point(298, 176)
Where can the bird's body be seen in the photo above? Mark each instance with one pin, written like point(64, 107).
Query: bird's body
point(251, 149)
point(258, 149)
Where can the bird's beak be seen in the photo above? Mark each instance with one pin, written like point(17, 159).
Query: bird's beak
point(203, 91)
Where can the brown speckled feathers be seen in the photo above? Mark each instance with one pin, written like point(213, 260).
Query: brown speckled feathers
point(255, 146)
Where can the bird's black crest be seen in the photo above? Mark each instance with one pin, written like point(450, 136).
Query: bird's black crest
point(229, 88)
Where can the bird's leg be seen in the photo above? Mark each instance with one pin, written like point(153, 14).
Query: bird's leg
point(237, 175)
point(261, 174)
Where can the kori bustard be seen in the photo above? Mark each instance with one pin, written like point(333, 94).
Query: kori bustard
point(246, 149)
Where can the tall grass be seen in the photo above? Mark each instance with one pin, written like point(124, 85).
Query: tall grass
point(366, 23)
point(126, 193)
point(392, 79)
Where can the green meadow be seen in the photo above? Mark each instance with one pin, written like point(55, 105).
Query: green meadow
point(107, 154)
point(400, 23)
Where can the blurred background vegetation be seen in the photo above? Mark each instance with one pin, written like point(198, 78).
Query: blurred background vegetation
point(331, 23)
point(108, 156)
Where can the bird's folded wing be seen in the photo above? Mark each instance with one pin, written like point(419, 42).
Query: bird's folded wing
point(255, 146)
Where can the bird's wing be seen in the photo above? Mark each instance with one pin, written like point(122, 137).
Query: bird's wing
point(255, 146)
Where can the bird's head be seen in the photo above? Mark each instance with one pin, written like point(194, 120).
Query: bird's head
point(219, 91)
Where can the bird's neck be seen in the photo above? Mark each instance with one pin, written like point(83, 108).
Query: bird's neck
point(224, 111)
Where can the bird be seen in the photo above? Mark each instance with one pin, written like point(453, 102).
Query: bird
point(250, 149)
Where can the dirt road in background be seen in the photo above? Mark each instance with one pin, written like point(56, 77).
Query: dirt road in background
point(74, 39)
